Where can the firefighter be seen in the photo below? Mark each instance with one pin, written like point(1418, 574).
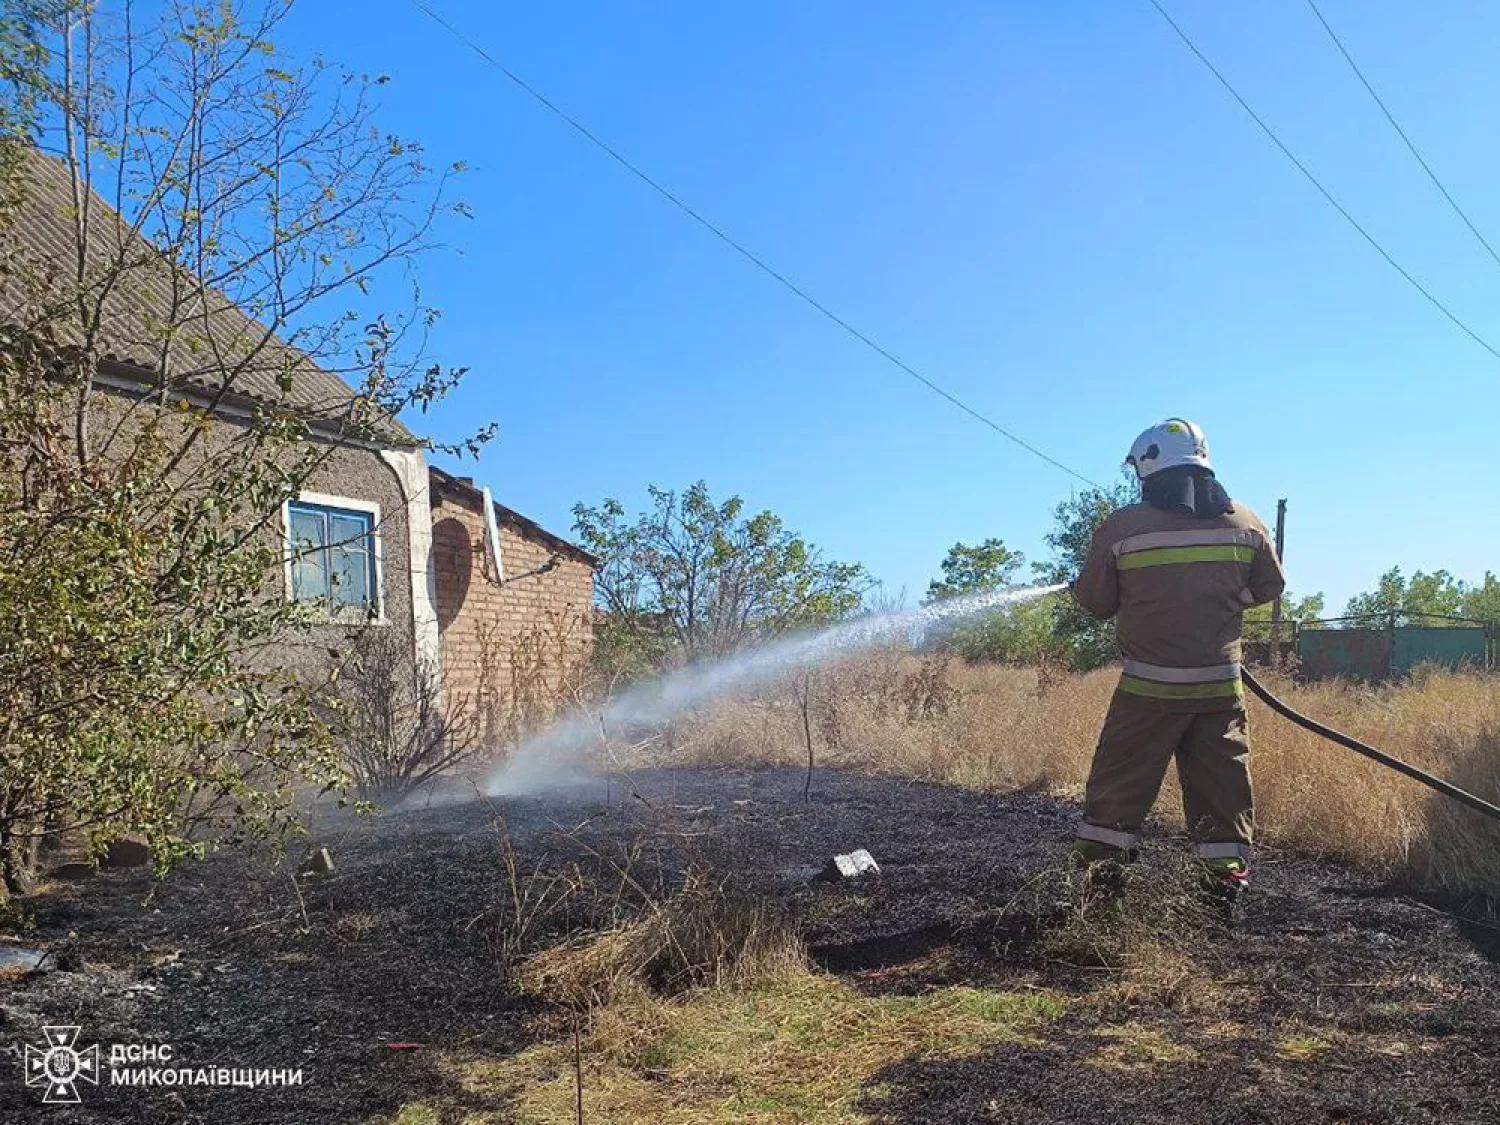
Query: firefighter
point(1177, 571)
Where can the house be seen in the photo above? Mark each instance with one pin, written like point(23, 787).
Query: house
point(377, 535)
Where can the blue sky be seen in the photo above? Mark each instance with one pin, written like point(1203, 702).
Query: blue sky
point(1051, 209)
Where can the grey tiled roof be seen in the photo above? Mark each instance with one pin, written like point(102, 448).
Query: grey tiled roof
point(212, 339)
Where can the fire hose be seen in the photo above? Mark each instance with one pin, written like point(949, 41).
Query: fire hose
point(1447, 788)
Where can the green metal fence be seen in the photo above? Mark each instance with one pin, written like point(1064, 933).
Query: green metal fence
point(1450, 648)
point(1363, 650)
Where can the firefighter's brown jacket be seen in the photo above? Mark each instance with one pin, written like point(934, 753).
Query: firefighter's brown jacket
point(1180, 586)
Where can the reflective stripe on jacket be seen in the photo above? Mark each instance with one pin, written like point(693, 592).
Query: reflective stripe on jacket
point(1179, 587)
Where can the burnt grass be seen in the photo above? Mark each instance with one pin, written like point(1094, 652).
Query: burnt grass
point(1340, 999)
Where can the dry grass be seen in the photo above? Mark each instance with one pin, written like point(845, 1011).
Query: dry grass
point(1163, 974)
point(993, 727)
point(932, 718)
point(359, 925)
point(701, 1006)
point(1156, 936)
point(709, 934)
point(1135, 1047)
point(804, 1049)
point(1302, 1047)
point(1319, 797)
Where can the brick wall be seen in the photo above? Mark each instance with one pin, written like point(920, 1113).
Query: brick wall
point(513, 650)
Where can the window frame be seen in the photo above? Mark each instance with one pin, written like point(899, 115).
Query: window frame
point(347, 613)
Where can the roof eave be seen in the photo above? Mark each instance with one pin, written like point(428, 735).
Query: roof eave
point(457, 486)
point(135, 378)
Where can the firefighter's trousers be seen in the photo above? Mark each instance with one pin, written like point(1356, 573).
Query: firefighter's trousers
point(1212, 749)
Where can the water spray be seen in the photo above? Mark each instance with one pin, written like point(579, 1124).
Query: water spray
point(551, 757)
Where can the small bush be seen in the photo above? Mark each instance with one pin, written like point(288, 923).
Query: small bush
point(395, 730)
point(710, 933)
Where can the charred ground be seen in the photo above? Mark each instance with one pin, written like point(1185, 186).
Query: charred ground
point(1339, 999)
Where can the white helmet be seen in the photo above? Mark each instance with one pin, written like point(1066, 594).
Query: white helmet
point(1167, 445)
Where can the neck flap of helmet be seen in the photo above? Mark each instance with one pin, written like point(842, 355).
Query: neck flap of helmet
point(1188, 489)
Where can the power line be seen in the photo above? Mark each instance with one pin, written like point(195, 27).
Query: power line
point(1400, 132)
point(749, 255)
point(1323, 191)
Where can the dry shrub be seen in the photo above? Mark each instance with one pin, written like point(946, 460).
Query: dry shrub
point(712, 933)
point(396, 732)
point(997, 727)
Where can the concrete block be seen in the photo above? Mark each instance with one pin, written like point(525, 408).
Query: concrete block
point(852, 865)
point(319, 863)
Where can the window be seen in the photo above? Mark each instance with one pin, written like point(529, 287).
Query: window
point(333, 558)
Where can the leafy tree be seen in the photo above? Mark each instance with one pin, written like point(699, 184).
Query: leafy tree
point(970, 570)
point(144, 677)
point(1016, 634)
point(1293, 609)
point(23, 65)
point(690, 577)
point(1408, 598)
point(1083, 640)
point(1439, 593)
point(1482, 602)
point(1024, 633)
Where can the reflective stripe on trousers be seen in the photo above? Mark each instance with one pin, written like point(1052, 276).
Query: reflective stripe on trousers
point(1101, 835)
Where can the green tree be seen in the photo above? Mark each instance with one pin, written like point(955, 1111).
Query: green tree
point(690, 577)
point(1482, 602)
point(1301, 610)
point(1083, 640)
point(970, 570)
point(23, 65)
point(1017, 634)
point(144, 678)
point(1405, 598)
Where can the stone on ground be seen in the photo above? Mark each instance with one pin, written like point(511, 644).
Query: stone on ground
point(851, 865)
point(319, 863)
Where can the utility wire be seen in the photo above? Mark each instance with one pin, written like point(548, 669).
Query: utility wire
point(1323, 191)
point(1400, 132)
point(739, 247)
